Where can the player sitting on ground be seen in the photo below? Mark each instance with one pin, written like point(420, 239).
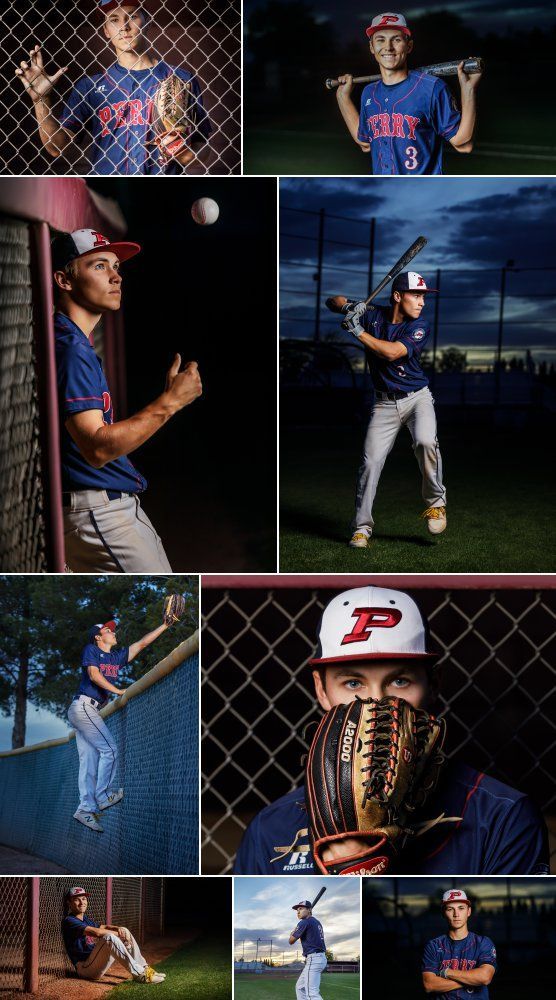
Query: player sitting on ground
point(459, 960)
point(405, 116)
point(93, 948)
point(114, 107)
point(498, 831)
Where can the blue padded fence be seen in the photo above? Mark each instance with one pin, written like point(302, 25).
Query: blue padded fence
point(154, 830)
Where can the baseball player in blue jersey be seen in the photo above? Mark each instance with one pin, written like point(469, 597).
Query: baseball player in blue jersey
point(93, 948)
point(309, 931)
point(394, 339)
point(460, 962)
point(98, 755)
point(110, 112)
point(105, 527)
point(373, 643)
point(405, 117)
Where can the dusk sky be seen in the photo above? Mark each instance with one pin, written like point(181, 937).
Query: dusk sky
point(41, 725)
point(474, 226)
point(350, 17)
point(416, 891)
point(263, 909)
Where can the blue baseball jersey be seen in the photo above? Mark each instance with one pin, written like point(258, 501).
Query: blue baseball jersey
point(406, 123)
point(82, 386)
point(78, 944)
point(405, 374)
point(309, 931)
point(114, 109)
point(501, 832)
point(109, 665)
point(467, 954)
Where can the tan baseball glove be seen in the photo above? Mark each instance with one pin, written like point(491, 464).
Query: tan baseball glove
point(172, 121)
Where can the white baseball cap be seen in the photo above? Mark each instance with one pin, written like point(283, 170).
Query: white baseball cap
point(388, 21)
point(69, 246)
point(455, 896)
point(372, 623)
point(410, 281)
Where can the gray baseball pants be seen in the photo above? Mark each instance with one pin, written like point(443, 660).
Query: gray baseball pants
point(108, 950)
point(416, 412)
point(307, 986)
point(111, 536)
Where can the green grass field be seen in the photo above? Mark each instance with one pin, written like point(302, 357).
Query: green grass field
point(501, 502)
point(333, 986)
point(199, 971)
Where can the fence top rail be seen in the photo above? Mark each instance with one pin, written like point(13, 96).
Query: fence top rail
point(433, 581)
point(177, 656)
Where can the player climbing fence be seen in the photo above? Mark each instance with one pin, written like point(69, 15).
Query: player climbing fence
point(31, 910)
point(202, 37)
point(154, 830)
point(495, 636)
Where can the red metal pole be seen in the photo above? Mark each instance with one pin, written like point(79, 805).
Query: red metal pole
point(31, 957)
point(108, 899)
point(47, 385)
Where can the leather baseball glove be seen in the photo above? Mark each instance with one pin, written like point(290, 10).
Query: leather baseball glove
point(172, 121)
point(174, 608)
point(370, 766)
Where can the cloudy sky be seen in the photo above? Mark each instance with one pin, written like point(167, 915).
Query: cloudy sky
point(417, 891)
point(41, 725)
point(474, 225)
point(483, 16)
point(263, 909)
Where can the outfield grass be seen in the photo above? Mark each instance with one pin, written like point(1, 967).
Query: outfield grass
point(501, 502)
point(199, 971)
point(333, 986)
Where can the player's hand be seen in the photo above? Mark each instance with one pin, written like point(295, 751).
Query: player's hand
point(34, 78)
point(352, 322)
point(468, 81)
point(345, 87)
point(344, 848)
point(364, 146)
point(183, 387)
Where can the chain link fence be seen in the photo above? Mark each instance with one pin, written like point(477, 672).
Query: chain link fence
point(202, 37)
point(31, 945)
point(498, 689)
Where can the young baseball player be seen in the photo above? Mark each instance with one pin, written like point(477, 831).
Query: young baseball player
point(110, 112)
point(460, 962)
point(405, 116)
point(106, 529)
point(93, 948)
point(309, 931)
point(98, 755)
point(394, 339)
point(373, 643)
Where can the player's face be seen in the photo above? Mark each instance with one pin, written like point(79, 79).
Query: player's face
point(411, 304)
point(78, 905)
point(124, 28)
point(302, 912)
point(98, 283)
point(390, 48)
point(457, 915)
point(108, 637)
point(389, 679)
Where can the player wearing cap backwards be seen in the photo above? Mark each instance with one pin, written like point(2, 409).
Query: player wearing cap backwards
point(93, 948)
point(309, 931)
point(394, 339)
point(373, 644)
point(98, 755)
point(106, 529)
point(405, 116)
point(460, 962)
point(112, 109)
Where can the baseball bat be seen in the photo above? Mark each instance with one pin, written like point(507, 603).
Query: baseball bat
point(409, 254)
point(317, 897)
point(475, 65)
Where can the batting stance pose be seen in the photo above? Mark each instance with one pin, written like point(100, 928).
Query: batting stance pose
point(98, 756)
point(405, 116)
point(106, 529)
point(460, 962)
point(309, 931)
point(394, 339)
point(112, 109)
point(373, 643)
point(93, 947)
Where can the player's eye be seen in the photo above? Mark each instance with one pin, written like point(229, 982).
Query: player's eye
point(353, 684)
point(400, 682)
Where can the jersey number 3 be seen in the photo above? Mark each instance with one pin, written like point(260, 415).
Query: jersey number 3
point(411, 153)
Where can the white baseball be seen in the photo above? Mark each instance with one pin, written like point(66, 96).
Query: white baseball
point(205, 211)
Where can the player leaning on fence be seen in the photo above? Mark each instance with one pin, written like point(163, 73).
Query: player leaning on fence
point(112, 109)
point(373, 644)
point(93, 948)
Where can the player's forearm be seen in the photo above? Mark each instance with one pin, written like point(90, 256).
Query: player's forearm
point(146, 640)
point(390, 350)
point(53, 137)
point(464, 134)
point(111, 441)
point(473, 977)
point(350, 115)
point(434, 984)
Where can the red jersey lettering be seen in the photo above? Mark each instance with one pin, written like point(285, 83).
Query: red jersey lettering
point(368, 619)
